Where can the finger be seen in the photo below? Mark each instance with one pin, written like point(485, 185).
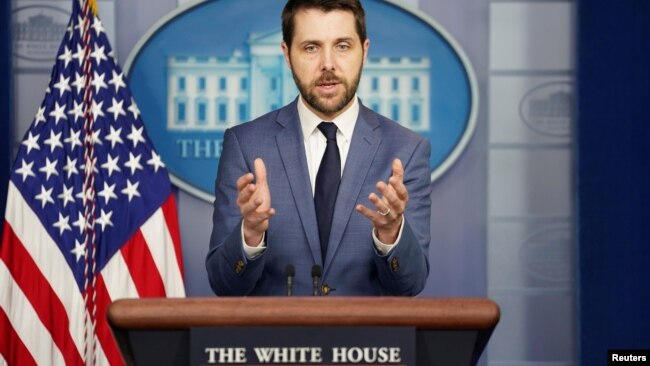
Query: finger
point(382, 208)
point(261, 216)
point(377, 201)
point(256, 217)
point(252, 212)
point(398, 169)
point(248, 205)
point(245, 194)
point(390, 196)
point(386, 189)
point(260, 171)
point(399, 187)
point(396, 203)
point(370, 214)
point(397, 180)
point(252, 201)
point(243, 181)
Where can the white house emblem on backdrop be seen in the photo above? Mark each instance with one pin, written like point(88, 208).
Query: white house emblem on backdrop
point(548, 108)
point(210, 65)
point(36, 32)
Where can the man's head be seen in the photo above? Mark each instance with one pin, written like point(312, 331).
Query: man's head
point(293, 6)
point(325, 46)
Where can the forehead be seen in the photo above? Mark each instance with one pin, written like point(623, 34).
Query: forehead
point(317, 25)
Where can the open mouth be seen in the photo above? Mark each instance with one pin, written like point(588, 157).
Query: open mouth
point(327, 85)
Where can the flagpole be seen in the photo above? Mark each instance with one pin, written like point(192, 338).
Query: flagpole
point(88, 12)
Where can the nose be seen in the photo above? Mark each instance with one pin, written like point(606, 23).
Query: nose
point(327, 59)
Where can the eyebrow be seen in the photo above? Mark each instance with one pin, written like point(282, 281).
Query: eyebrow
point(338, 40)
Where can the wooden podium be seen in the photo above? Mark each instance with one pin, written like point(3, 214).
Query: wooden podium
point(449, 331)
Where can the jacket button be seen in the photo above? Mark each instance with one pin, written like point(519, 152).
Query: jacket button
point(239, 266)
point(326, 289)
point(394, 264)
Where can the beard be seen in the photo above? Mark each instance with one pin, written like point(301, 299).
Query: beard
point(328, 105)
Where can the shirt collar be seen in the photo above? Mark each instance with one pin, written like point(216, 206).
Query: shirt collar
point(345, 122)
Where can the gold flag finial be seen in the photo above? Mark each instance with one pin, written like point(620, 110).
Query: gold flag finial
point(93, 6)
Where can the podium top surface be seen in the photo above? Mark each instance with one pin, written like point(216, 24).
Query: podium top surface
point(423, 313)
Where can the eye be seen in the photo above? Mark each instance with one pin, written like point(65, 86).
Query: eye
point(310, 48)
point(343, 46)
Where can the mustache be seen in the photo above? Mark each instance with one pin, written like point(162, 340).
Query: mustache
point(327, 77)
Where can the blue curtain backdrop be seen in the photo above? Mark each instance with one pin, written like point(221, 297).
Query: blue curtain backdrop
point(5, 101)
point(614, 177)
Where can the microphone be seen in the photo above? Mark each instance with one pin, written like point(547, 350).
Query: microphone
point(315, 276)
point(290, 271)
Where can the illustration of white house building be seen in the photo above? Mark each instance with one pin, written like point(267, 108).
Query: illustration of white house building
point(217, 92)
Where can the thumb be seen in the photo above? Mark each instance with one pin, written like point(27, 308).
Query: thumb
point(260, 171)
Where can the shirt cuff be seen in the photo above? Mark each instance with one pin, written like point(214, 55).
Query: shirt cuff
point(252, 252)
point(385, 249)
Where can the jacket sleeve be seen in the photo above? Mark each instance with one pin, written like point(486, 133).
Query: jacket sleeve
point(405, 269)
point(229, 270)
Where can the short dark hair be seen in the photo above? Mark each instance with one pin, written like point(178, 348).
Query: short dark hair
point(293, 6)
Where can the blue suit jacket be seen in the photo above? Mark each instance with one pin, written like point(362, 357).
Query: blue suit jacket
point(352, 265)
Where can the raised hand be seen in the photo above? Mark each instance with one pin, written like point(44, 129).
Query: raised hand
point(389, 208)
point(254, 202)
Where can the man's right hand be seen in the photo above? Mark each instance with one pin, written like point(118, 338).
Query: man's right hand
point(254, 201)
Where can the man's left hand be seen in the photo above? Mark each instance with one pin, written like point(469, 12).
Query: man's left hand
point(389, 208)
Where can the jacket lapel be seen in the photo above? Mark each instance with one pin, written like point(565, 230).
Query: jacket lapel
point(292, 152)
point(365, 141)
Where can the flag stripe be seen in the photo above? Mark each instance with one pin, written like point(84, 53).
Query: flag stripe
point(45, 254)
point(11, 347)
point(156, 233)
point(46, 304)
point(171, 219)
point(141, 266)
point(117, 279)
point(26, 323)
point(104, 335)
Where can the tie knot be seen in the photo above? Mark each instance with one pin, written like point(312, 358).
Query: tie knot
point(328, 129)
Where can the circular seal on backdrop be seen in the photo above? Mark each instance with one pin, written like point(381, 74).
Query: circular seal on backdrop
point(210, 65)
point(547, 254)
point(548, 108)
point(37, 31)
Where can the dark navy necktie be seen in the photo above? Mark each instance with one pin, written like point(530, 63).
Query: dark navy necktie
point(327, 184)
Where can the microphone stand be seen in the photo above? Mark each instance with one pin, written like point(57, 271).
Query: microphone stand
point(315, 276)
point(290, 271)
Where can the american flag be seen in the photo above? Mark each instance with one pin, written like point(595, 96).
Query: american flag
point(90, 215)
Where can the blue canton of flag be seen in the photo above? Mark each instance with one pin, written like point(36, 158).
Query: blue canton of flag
point(130, 179)
point(90, 209)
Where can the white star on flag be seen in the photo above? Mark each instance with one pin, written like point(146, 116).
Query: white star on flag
point(66, 56)
point(116, 109)
point(114, 136)
point(58, 113)
point(31, 142)
point(117, 81)
point(62, 224)
point(54, 140)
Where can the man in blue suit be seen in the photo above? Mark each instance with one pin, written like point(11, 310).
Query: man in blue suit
point(278, 202)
